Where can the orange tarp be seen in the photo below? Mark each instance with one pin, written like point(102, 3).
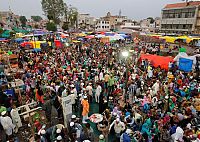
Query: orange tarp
point(156, 60)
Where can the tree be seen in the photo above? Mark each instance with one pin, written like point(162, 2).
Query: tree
point(65, 26)
point(36, 18)
point(151, 20)
point(71, 15)
point(51, 26)
point(53, 9)
point(23, 20)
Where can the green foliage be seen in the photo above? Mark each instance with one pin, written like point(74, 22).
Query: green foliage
point(65, 26)
point(23, 21)
point(53, 9)
point(36, 18)
point(51, 27)
point(71, 15)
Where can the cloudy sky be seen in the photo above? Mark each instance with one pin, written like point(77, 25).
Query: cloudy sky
point(134, 9)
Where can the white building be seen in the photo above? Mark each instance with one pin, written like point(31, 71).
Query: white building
point(102, 25)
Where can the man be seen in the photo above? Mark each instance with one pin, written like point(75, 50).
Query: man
point(118, 127)
point(98, 92)
point(126, 137)
point(16, 118)
point(156, 87)
point(90, 89)
point(7, 124)
point(86, 107)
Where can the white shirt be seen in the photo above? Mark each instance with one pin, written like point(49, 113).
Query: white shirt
point(89, 89)
point(98, 90)
point(118, 127)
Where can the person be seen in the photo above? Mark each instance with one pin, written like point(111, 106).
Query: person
point(42, 134)
point(118, 127)
point(7, 124)
point(16, 118)
point(126, 137)
point(104, 129)
point(101, 138)
point(98, 92)
point(86, 107)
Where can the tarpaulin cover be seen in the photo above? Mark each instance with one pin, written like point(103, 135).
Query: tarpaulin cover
point(185, 64)
point(156, 60)
point(58, 43)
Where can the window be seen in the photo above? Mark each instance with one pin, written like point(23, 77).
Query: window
point(102, 27)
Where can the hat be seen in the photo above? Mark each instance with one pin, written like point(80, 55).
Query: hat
point(117, 119)
point(82, 84)
point(90, 83)
point(59, 138)
point(73, 116)
point(101, 137)
point(85, 97)
point(114, 113)
point(42, 132)
point(3, 113)
point(128, 131)
point(58, 131)
point(86, 141)
point(71, 124)
point(72, 85)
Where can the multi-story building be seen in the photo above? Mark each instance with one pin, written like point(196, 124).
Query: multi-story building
point(9, 19)
point(181, 17)
point(102, 25)
point(85, 21)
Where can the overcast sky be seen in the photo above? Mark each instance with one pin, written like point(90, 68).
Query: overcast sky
point(134, 9)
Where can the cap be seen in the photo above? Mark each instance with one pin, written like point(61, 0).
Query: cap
point(71, 124)
point(59, 138)
point(117, 119)
point(86, 141)
point(72, 85)
point(58, 131)
point(3, 113)
point(73, 116)
point(101, 137)
point(42, 132)
point(128, 131)
point(85, 97)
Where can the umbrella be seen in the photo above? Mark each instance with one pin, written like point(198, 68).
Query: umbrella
point(182, 49)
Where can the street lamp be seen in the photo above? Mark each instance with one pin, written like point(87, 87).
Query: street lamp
point(125, 54)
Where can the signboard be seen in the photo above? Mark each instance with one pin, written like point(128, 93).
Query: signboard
point(67, 109)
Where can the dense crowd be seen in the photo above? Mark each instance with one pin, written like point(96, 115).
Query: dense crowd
point(138, 102)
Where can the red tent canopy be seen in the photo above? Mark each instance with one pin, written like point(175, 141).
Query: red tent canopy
point(156, 60)
point(24, 44)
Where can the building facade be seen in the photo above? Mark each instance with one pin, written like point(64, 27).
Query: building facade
point(86, 22)
point(181, 17)
point(102, 25)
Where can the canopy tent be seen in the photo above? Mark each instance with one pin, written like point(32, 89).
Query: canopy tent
point(184, 62)
point(3, 40)
point(6, 34)
point(18, 30)
point(157, 61)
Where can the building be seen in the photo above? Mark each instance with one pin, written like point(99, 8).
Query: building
point(102, 25)
point(114, 20)
point(9, 20)
point(86, 22)
point(150, 24)
point(181, 17)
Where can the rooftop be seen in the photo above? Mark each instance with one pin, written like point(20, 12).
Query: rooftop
point(182, 5)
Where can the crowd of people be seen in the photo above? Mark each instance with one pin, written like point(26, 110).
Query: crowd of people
point(138, 102)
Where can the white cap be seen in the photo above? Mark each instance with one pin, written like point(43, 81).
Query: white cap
point(59, 138)
point(117, 119)
point(90, 83)
point(114, 113)
point(73, 116)
point(42, 132)
point(85, 97)
point(3, 113)
point(82, 84)
point(86, 141)
point(58, 131)
point(128, 131)
point(101, 137)
point(72, 85)
point(71, 124)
